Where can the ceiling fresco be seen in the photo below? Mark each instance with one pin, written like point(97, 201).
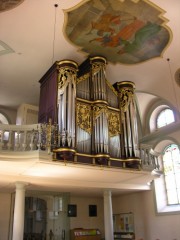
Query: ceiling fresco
point(127, 32)
point(6, 5)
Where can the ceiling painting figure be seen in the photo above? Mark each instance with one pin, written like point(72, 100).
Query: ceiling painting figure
point(127, 32)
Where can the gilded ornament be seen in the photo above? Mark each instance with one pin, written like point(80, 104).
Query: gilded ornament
point(84, 116)
point(64, 74)
point(96, 67)
point(126, 95)
point(83, 78)
point(114, 123)
point(98, 109)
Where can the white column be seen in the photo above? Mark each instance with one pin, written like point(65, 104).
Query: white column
point(108, 216)
point(18, 224)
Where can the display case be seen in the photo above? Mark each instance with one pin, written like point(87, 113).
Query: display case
point(85, 234)
point(123, 226)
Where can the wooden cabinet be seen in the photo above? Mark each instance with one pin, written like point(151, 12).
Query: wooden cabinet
point(85, 234)
point(48, 95)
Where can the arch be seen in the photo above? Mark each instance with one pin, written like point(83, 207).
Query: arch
point(3, 118)
point(159, 185)
point(154, 110)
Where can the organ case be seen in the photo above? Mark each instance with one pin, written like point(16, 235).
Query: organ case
point(96, 123)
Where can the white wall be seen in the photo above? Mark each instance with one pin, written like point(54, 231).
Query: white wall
point(27, 114)
point(5, 208)
point(132, 203)
point(83, 220)
point(148, 225)
point(160, 227)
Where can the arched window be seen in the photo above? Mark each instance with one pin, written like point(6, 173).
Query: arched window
point(165, 117)
point(161, 116)
point(167, 186)
point(171, 165)
point(3, 119)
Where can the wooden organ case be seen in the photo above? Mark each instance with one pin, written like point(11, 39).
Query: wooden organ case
point(95, 122)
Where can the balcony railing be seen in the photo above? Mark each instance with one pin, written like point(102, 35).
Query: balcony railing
point(43, 137)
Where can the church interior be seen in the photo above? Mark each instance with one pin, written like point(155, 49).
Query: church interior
point(89, 120)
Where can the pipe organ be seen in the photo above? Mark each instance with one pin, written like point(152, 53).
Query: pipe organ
point(93, 121)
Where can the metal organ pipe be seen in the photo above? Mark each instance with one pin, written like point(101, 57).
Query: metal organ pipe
point(73, 114)
point(128, 114)
point(66, 101)
point(135, 128)
point(133, 125)
point(101, 136)
point(128, 128)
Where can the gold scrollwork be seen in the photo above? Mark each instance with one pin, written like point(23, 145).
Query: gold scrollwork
point(126, 95)
point(98, 109)
point(82, 78)
point(64, 74)
point(96, 67)
point(114, 123)
point(84, 116)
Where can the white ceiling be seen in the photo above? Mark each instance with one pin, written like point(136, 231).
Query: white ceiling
point(28, 30)
point(31, 41)
point(41, 174)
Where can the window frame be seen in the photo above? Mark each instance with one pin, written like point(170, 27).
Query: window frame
point(173, 172)
point(161, 112)
point(153, 113)
point(158, 185)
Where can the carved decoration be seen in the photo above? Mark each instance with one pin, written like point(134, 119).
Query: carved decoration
point(114, 123)
point(83, 78)
point(98, 109)
point(97, 66)
point(84, 116)
point(65, 74)
point(126, 95)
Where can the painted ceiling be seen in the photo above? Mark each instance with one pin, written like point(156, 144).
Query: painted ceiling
point(9, 4)
point(127, 32)
point(136, 36)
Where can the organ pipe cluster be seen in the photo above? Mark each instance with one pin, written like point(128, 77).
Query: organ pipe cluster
point(97, 122)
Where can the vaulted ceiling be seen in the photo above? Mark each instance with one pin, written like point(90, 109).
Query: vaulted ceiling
point(35, 34)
